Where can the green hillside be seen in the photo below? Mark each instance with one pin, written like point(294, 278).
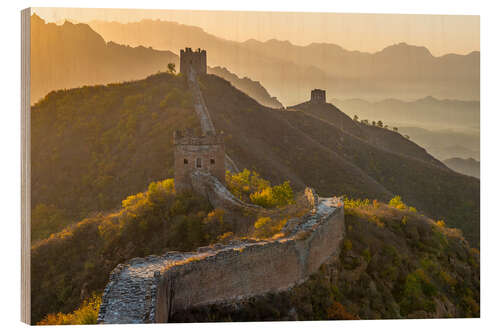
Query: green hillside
point(395, 263)
point(93, 146)
point(72, 264)
point(321, 147)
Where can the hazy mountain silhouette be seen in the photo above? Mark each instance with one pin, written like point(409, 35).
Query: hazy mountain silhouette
point(72, 55)
point(468, 166)
point(289, 71)
point(446, 128)
point(446, 143)
point(252, 88)
point(429, 111)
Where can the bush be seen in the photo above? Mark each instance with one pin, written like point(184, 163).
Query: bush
point(248, 185)
point(396, 202)
point(265, 227)
point(86, 314)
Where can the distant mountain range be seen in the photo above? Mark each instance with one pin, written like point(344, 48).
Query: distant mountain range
point(446, 143)
point(428, 112)
point(289, 71)
point(71, 55)
point(446, 128)
point(468, 166)
point(252, 88)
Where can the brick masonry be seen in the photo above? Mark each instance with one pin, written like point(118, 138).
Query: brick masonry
point(151, 289)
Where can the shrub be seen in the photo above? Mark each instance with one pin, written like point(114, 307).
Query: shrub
point(265, 227)
point(338, 312)
point(86, 314)
point(396, 202)
point(248, 185)
point(441, 223)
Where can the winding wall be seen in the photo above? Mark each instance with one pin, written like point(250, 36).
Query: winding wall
point(151, 289)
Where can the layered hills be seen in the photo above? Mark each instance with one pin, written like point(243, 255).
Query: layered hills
point(467, 166)
point(320, 146)
point(428, 112)
point(71, 55)
point(288, 71)
point(83, 137)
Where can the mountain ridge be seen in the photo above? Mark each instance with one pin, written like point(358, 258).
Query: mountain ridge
point(288, 71)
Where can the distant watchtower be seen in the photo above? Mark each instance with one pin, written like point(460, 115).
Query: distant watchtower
point(318, 96)
point(204, 153)
point(197, 60)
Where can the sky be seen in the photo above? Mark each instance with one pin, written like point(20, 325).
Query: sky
point(441, 34)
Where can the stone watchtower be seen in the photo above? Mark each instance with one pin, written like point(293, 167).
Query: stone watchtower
point(197, 60)
point(318, 96)
point(203, 153)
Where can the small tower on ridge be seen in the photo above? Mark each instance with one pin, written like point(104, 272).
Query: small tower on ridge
point(203, 153)
point(318, 96)
point(196, 60)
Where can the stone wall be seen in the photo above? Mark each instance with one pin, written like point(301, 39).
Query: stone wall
point(318, 96)
point(151, 289)
point(193, 60)
point(251, 269)
point(191, 154)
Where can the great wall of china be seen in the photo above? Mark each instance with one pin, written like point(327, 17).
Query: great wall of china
point(151, 289)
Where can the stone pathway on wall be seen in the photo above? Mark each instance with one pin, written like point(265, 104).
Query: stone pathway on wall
point(204, 116)
point(130, 294)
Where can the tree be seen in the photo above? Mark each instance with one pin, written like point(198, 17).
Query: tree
point(171, 68)
point(380, 123)
point(355, 118)
point(395, 129)
point(374, 123)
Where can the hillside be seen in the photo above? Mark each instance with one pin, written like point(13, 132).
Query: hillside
point(445, 128)
point(288, 71)
point(382, 138)
point(83, 137)
point(334, 157)
point(70, 265)
point(73, 55)
point(469, 166)
point(409, 262)
point(394, 264)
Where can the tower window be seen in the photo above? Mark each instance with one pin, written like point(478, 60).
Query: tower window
point(212, 161)
point(185, 161)
point(198, 162)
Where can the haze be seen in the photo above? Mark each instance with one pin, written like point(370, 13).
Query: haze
point(441, 34)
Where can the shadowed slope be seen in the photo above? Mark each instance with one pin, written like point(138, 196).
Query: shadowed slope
point(340, 156)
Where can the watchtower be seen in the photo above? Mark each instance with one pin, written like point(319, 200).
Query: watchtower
point(204, 153)
point(318, 96)
point(197, 60)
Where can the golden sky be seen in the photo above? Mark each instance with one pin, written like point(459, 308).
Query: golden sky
point(441, 34)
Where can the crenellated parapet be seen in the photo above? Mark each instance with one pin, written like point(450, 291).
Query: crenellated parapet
point(193, 60)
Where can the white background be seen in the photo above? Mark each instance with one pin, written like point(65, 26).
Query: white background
point(490, 185)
